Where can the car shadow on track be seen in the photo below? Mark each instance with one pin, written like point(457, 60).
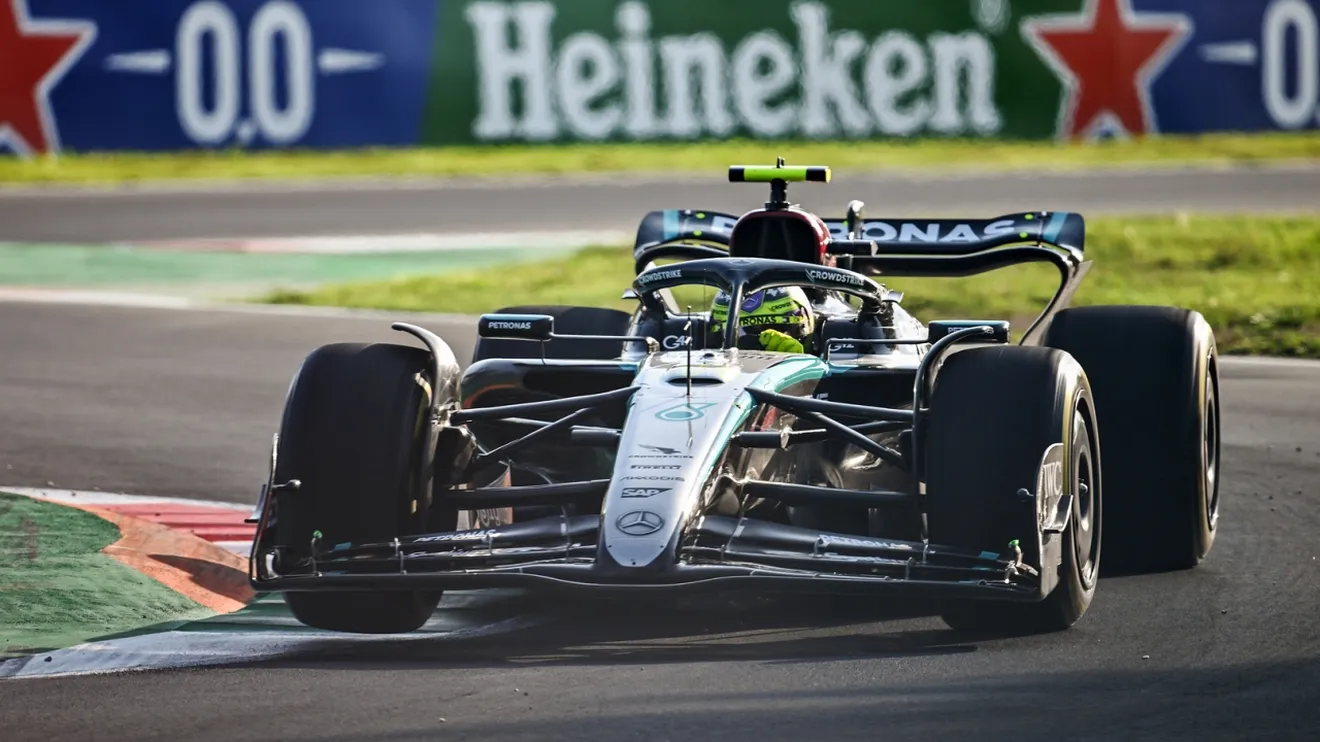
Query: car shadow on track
point(612, 631)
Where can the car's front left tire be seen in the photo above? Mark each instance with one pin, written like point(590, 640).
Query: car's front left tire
point(993, 414)
point(354, 433)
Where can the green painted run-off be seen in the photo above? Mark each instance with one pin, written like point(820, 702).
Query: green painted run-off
point(56, 587)
point(104, 266)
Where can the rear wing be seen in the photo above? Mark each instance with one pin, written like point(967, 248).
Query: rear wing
point(901, 247)
point(909, 237)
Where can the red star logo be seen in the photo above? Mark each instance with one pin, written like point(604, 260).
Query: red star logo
point(1107, 56)
point(34, 55)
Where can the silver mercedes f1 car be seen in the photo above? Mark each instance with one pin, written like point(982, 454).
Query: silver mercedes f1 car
point(653, 451)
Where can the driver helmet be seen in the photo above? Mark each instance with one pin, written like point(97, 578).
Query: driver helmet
point(785, 309)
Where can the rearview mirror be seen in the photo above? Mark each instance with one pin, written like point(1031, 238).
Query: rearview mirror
point(539, 327)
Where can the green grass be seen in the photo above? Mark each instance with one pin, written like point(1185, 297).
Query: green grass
point(706, 157)
point(56, 587)
point(1256, 279)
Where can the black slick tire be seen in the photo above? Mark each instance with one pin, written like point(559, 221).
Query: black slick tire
point(353, 433)
point(993, 414)
point(1155, 375)
point(568, 321)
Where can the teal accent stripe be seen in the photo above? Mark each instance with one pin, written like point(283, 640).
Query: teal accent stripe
point(1055, 226)
point(671, 224)
point(775, 378)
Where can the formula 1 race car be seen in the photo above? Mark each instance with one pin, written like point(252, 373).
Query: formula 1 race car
point(653, 452)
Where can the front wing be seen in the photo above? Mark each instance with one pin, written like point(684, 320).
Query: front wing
point(715, 553)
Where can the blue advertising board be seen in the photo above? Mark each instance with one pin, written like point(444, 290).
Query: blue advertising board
point(177, 74)
point(1247, 65)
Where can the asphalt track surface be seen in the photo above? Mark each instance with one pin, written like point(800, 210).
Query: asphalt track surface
point(183, 403)
point(89, 216)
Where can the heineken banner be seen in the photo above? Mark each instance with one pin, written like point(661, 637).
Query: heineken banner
point(176, 74)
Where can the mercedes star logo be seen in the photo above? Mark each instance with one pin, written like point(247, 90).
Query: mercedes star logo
point(639, 523)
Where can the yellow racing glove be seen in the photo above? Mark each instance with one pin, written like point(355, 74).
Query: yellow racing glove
point(778, 342)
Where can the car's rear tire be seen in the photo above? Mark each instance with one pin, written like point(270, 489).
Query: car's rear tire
point(353, 432)
point(1155, 375)
point(993, 414)
point(568, 321)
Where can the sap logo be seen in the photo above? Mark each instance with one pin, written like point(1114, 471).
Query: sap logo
point(643, 491)
point(503, 325)
point(815, 274)
point(930, 231)
point(659, 276)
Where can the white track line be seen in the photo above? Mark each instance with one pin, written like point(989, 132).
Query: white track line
point(321, 184)
point(1307, 363)
point(370, 244)
point(180, 303)
point(24, 295)
point(84, 497)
